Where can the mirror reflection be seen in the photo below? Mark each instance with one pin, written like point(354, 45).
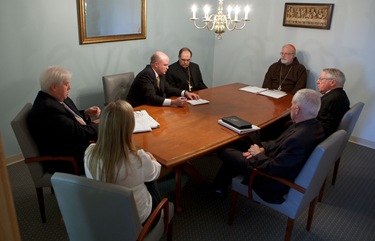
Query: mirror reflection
point(111, 20)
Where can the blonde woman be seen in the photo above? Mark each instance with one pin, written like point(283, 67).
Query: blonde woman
point(115, 159)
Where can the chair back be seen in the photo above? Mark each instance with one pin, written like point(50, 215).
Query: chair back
point(94, 210)
point(349, 121)
point(315, 171)
point(28, 145)
point(117, 86)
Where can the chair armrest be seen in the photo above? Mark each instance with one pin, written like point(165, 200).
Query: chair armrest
point(162, 206)
point(54, 158)
point(279, 179)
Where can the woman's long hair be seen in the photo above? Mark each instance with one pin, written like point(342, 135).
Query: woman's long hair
point(114, 144)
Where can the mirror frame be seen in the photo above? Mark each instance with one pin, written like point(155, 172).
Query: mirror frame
point(83, 39)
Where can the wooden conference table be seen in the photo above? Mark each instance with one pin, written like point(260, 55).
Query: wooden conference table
point(189, 132)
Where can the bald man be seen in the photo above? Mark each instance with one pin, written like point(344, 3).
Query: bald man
point(287, 74)
point(151, 88)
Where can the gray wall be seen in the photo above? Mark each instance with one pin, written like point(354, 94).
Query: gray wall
point(36, 34)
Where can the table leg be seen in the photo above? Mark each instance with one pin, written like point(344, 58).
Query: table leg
point(178, 194)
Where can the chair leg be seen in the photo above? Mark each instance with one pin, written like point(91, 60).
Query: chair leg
point(321, 192)
point(335, 171)
point(311, 214)
point(289, 229)
point(232, 210)
point(170, 231)
point(39, 193)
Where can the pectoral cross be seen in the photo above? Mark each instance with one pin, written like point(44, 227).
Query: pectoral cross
point(190, 87)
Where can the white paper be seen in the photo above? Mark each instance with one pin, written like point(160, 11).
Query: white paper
point(144, 122)
point(198, 102)
point(270, 93)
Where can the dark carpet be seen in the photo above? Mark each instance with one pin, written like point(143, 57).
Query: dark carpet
point(346, 213)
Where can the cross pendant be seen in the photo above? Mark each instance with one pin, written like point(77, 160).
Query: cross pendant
point(190, 87)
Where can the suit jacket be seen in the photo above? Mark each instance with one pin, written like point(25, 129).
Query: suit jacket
point(334, 105)
point(56, 131)
point(144, 90)
point(177, 76)
point(285, 157)
point(291, 81)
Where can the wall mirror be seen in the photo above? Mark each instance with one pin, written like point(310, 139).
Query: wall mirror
point(111, 20)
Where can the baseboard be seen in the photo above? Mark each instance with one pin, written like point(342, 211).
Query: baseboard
point(14, 159)
point(362, 142)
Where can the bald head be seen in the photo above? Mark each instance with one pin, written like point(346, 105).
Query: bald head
point(159, 62)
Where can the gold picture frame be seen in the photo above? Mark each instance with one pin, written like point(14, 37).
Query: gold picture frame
point(308, 15)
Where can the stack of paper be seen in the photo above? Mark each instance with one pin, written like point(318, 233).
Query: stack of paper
point(198, 102)
point(239, 131)
point(144, 122)
point(271, 93)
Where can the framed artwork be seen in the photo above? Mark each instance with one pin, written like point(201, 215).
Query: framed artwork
point(308, 15)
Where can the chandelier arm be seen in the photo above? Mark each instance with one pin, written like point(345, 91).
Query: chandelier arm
point(199, 27)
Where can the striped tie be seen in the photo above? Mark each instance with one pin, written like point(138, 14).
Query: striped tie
point(78, 118)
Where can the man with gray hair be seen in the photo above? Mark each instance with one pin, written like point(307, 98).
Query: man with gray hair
point(56, 124)
point(335, 102)
point(283, 157)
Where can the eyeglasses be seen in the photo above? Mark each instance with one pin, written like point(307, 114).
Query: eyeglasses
point(321, 79)
point(282, 53)
point(187, 60)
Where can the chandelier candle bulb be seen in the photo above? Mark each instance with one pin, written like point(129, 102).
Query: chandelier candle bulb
point(236, 11)
point(229, 11)
point(247, 10)
point(194, 9)
point(206, 11)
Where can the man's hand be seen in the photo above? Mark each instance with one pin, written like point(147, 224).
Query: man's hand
point(253, 151)
point(191, 96)
point(93, 111)
point(178, 101)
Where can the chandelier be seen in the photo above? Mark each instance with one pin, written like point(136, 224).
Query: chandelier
point(220, 22)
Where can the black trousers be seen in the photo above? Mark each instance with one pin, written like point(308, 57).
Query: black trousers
point(153, 189)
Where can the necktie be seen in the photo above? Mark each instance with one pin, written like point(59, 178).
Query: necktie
point(158, 82)
point(78, 118)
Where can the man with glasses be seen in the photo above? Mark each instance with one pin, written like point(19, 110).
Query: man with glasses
point(287, 74)
point(185, 74)
point(335, 102)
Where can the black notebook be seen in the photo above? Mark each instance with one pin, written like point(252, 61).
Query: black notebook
point(237, 122)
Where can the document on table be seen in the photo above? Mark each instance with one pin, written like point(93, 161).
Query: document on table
point(198, 102)
point(144, 122)
point(271, 93)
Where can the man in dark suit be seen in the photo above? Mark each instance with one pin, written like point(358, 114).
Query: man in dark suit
point(283, 157)
point(185, 74)
point(57, 126)
point(335, 102)
point(150, 87)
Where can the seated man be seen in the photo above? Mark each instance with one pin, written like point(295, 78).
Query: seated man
point(57, 126)
point(287, 74)
point(184, 74)
point(150, 87)
point(335, 102)
point(283, 157)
